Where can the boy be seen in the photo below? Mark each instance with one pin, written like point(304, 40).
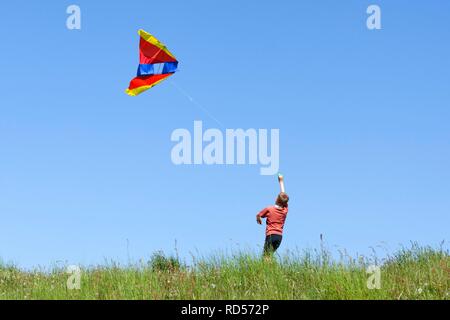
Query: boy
point(275, 218)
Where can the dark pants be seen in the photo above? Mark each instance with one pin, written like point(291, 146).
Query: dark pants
point(272, 243)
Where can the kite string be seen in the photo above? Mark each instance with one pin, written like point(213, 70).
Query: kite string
point(194, 102)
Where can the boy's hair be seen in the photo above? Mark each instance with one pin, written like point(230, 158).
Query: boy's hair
point(282, 199)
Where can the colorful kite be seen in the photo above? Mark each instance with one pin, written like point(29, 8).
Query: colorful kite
point(156, 63)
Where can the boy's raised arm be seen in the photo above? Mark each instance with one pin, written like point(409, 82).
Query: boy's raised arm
point(281, 181)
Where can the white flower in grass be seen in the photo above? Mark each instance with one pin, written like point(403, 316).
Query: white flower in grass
point(213, 285)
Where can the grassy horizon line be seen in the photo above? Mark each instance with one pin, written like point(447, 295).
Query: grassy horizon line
point(410, 273)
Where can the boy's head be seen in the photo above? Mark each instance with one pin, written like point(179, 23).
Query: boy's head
point(282, 199)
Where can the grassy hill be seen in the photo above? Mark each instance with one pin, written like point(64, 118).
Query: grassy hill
point(414, 273)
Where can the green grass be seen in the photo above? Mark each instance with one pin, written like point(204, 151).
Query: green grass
point(413, 273)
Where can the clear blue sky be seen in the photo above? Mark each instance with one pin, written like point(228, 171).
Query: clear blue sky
point(363, 118)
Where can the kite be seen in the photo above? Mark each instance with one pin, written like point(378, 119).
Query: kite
point(156, 63)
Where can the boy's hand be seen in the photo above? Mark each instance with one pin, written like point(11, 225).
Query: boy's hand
point(258, 219)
